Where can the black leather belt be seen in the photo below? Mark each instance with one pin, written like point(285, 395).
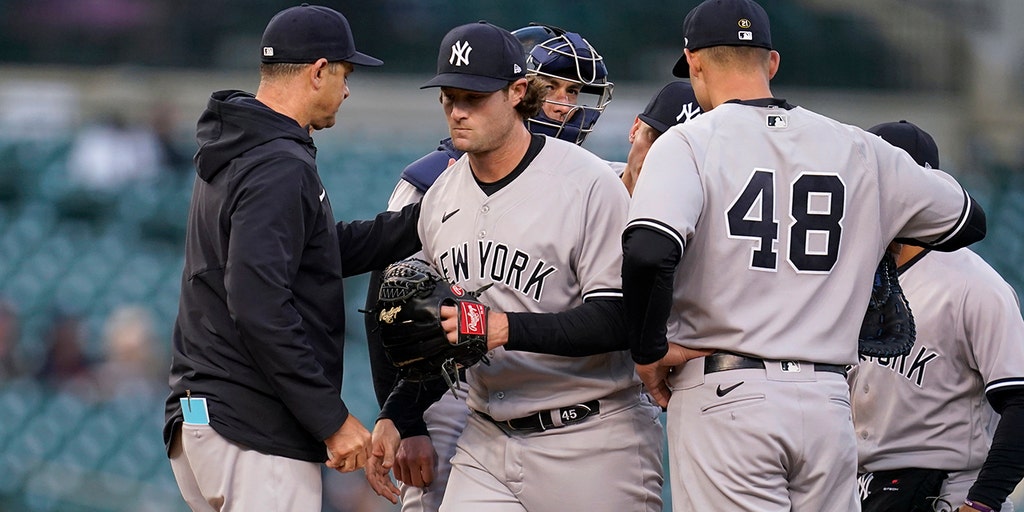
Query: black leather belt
point(543, 420)
point(722, 361)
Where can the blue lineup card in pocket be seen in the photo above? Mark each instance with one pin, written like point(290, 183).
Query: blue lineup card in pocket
point(194, 410)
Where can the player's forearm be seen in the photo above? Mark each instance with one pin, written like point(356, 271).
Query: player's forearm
point(648, 272)
point(595, 327)
point(371, 245)
point(407, 403)
point(1004, 466)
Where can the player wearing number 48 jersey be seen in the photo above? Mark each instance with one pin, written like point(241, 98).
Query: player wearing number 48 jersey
point(924, 421)
point(755, 230)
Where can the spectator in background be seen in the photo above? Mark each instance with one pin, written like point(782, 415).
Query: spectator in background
point(174, 155)
point(130, 367)
point(65, 365)
point(111, 152)
point(11, 364)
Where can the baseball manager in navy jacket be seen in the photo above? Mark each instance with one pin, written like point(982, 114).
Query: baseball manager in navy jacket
point(255, 403)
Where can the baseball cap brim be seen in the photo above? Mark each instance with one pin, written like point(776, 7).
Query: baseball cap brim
point(363, 59)
point(682, 68)
point(474, 83)
point(657, 125)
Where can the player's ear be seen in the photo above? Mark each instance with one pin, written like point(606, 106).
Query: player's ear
point(316, 71)
point(694, 61)
point(773, 63)
point(517, 91)
point(634, 129)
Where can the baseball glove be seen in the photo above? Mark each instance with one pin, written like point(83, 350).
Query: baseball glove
point(888, 329)
point(409, 312)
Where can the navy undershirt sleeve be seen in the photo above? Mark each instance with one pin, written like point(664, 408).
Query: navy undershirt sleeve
point(649, 261)
point(595, 327)
point(407, 403)
point(1004, 466)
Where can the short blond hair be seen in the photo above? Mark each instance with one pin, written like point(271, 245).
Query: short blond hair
point(742, 57)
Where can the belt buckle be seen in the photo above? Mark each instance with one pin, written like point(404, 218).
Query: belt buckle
point(540, 422)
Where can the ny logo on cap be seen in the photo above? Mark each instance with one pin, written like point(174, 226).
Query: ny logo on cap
point(460, 53)
point(689, 112)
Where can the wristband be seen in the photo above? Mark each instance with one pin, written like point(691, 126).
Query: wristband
point(978, 506)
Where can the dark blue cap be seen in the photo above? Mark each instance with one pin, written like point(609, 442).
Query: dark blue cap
point(723, 23)
point(675, 103)
point(478, 57)
point(306, 33)
point(908, 137)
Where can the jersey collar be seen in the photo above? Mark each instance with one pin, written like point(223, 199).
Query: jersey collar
point(765, 102)
point(904, 267)
point(536, 144)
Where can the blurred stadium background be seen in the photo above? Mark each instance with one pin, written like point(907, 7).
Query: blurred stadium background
point(98, 100)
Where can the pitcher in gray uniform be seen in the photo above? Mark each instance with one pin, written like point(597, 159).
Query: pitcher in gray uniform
point(574, 74)
point(558, 418)
point(755, 230)
point(924, 421)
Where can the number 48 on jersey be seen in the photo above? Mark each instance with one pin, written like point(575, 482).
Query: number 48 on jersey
point(815, 229)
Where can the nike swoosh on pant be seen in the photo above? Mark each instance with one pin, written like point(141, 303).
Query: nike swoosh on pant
point(723, 392)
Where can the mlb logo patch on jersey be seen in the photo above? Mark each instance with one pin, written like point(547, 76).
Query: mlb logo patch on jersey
point(777, 121)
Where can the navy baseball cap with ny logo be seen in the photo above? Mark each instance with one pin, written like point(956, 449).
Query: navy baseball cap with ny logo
point(674, 104)
point(723, 23)
point(478, 57)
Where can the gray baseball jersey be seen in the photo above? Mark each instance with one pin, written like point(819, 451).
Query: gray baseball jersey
point(446, 418)
point(547, 241)
point(404, 194)
point(928, 409)
point(756, 219)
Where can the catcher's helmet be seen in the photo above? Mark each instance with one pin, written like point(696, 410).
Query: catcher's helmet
point(556, 53)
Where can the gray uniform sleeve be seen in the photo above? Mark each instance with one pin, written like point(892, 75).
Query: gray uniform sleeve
point(914, 197)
